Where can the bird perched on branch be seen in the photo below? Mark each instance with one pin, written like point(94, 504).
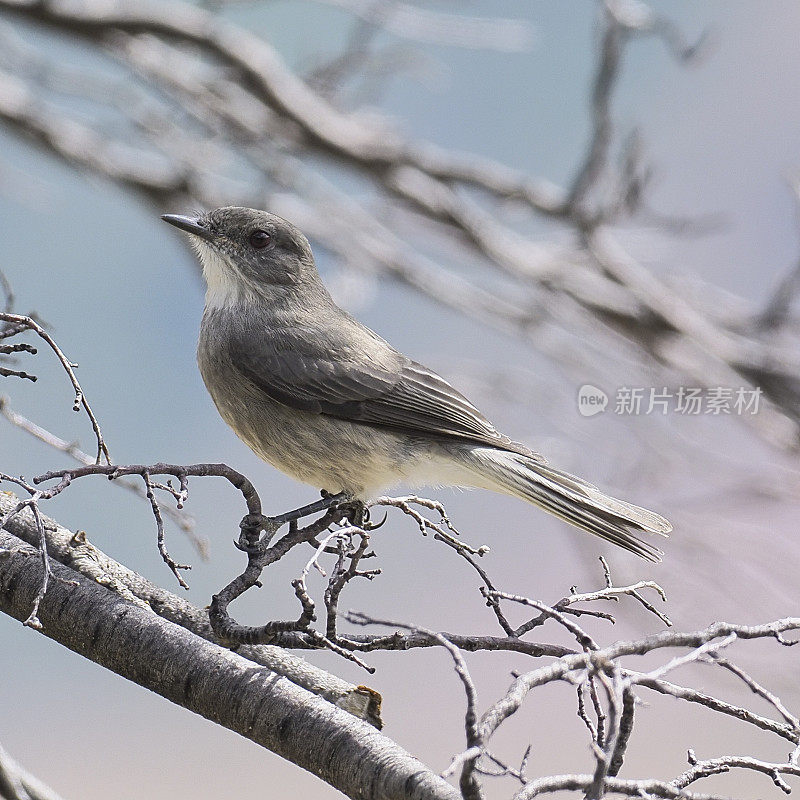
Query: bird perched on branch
point(329, 402)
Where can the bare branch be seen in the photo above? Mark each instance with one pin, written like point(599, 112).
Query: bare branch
point(715, 766)
point(583, 638)
point(695, 696)
point(15, 324)
point(77, 553)
point(470, 788)
point(629, 788)
point(184, 521)
point(758, 689)
point(560, 669)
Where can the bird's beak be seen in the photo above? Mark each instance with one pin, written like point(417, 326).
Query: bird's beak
point(189, 225)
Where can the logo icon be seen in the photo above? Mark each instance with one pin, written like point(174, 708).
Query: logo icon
point(591, 400)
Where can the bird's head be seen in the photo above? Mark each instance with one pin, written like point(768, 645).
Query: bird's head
point(247, 252)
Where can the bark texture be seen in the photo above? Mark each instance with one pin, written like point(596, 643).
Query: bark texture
point(74, 550)
point(203, 677)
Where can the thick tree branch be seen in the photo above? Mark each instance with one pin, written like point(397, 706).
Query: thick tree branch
point(76, 552)
point(213, 682)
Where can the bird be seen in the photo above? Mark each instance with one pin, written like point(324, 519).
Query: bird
point(329, 402)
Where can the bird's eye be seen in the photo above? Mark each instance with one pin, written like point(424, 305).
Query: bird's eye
point(259, 239)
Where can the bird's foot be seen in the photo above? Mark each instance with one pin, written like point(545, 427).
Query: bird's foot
point(253, 524)
point(355, 511)
point(327, 502)
point(251, 527)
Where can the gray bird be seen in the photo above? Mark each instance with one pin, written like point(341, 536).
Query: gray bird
point(326, 400)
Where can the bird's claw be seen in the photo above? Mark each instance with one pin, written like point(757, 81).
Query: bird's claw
point(373, 526)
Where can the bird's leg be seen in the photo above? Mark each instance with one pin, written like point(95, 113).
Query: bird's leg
point(252, 524)
point(327, 501)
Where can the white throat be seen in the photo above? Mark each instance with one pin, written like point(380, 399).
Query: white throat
point(224, 286)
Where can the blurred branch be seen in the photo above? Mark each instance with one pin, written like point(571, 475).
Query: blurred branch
point(776, 312)
point(410, 21)
point(17, 783)
point(245, 87)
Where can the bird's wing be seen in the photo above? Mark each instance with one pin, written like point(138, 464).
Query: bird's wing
point(367, 382)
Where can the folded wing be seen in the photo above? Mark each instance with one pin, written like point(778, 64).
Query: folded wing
point(369, 383)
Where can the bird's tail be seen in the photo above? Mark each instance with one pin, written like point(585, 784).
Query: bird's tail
point(568, 497)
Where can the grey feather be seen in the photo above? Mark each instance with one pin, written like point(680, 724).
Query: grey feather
point(344, 370)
